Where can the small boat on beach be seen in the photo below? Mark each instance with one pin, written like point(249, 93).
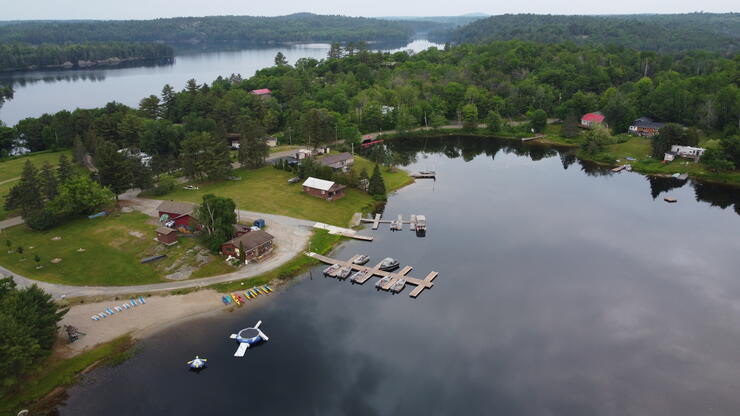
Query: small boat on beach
point(388, 264)
point(379, 284)
point(329, 271)
point(362, 260)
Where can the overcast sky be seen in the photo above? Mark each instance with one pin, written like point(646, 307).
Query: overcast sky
point(147, 9)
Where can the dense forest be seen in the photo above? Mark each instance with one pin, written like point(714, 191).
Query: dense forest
point(665, 33)
point(303, 27)
point(361, 91)
point(21, 56)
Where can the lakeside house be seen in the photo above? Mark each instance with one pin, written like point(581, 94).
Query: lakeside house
point(177, 214)
point(233, 140)
point(591, 120)
point(263, 93)
point(143, 158)
point(645, 126)
point(686, 152)
point(166, 236)
point(339, 161)
point(323, 189)
point(256, 244)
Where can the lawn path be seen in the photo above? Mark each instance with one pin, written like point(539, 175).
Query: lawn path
point(291, 237)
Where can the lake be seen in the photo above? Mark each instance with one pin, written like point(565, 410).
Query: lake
point(42, 92)
point(564, 289)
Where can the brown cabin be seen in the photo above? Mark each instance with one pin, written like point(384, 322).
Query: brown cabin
point(166, 236)
point(255, 244)
point(323, 189)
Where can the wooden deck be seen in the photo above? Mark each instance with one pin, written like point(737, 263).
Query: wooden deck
point(395, 225)
point(421, 284)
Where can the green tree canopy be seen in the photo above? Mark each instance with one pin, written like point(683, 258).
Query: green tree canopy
point(217, 216)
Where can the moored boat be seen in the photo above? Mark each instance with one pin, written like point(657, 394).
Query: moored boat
point(344, 272)
point(329, 271)
point(362, 259)
point(388, 264)
point(379, 284)
point(398, 285)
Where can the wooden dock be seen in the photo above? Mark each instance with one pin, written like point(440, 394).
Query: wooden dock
point(421, 284)
point(396, 224)
point(535, 137)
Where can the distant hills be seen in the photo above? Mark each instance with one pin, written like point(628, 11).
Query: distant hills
point(300, 27)
point(657, 32)
point(445, 20)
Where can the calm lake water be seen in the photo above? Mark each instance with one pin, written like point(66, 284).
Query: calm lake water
point(51, 91)
point(563, 290)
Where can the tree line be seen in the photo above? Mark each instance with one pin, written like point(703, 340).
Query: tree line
point(666, 33)
point(301, 27)
point(355, 90)
point(47, 196)
point(23, 56)
point(28, 326)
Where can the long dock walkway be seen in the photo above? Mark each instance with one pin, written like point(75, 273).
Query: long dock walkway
point(421, 284)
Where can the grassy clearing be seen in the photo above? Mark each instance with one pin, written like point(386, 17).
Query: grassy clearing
point(321, 242)
point(113, 246)
point(267, 190)
point(57, 371)
point(393, 180)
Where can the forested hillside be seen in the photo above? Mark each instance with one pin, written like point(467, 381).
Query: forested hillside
point(347, 94)
point(666, 33)
point(303, 27)
point(22, 56)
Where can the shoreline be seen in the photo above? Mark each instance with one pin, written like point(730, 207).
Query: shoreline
point(549, 142)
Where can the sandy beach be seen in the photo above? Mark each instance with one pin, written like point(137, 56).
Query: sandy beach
point(157, 313)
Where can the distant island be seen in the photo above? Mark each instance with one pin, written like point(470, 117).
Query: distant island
point(25, 57)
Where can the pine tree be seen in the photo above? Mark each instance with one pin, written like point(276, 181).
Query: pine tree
point(280, 59)
point(114, 168)
point(242, 254)
point(377, 184)
point(26, 195)
point(65, 170)
point(253, 149)
point(49, 186)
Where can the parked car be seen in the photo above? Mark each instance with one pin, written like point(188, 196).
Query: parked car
point(294, 180)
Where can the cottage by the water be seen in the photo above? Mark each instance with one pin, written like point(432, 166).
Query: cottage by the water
point(645, 126)
point(323, 189)
point(256, 244)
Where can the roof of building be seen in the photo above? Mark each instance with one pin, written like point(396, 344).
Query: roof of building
point(596, 117)
point(165, 230)
point(648, 123)
point(251, 239)
point(174, 207)
point(335, 158)
point(317, 183)
point(241, 227)
point(262, 91)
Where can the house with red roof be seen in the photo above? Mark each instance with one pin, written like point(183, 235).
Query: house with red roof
point(263, 93)
point(591, 120)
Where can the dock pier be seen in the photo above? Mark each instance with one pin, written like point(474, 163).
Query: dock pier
point(416, 222)
point(421, 284)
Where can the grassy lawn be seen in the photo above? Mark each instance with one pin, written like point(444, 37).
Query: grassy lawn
point(267, 190)
point(393, 180)
point(113, 246)
point(11, 169)
point(57, 371)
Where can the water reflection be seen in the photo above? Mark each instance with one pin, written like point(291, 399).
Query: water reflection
point(718, 195)
point(559, 293)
